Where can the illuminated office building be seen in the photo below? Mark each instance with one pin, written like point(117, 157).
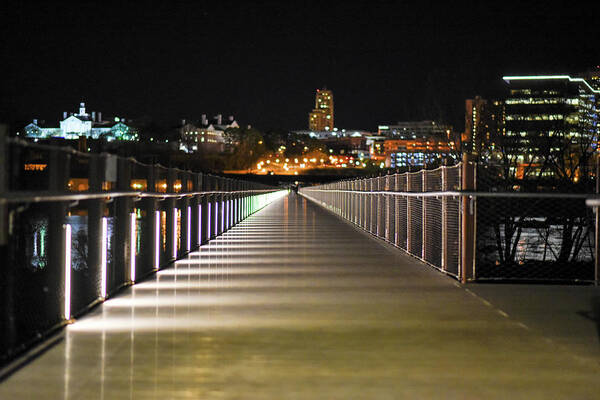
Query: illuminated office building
point(483, 124)
point(321, 117)
point(592, 77)
point(551, 123)
point(413, 143)
point(415, 130)
point(417, 152)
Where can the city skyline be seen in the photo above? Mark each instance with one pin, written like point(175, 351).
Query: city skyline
point(384, 61)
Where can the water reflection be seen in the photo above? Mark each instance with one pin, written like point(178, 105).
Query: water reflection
point(537, 245)
point(35, 249)
point(79, 241)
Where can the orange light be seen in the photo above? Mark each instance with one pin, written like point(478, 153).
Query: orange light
point(35, 167)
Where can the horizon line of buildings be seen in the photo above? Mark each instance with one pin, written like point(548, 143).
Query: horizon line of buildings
point(537, 110)
point(541, 117)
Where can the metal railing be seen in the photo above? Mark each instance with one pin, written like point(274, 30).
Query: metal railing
point(439, 217)
point(77, 227)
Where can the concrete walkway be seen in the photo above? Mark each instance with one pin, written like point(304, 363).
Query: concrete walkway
point(295, 304)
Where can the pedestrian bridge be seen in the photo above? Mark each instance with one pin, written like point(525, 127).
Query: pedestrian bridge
point(294, 302)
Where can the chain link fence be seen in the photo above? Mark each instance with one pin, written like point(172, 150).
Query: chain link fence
point(470, 223)
point(410, 211)
point(534, 230)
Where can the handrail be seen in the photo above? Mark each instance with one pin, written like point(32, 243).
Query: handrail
point(70, 150)
point(460, 193)
point(40, 146)
point(34, 197)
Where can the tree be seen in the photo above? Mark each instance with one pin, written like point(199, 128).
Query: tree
point(546, 154)
point(249, 147)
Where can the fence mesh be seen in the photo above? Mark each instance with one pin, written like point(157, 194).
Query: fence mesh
point(516, 235)
point(389, 208)
point(535, 239)
point(415, 210)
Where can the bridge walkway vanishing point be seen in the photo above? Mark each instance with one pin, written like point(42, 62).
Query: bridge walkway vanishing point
point(294, 303)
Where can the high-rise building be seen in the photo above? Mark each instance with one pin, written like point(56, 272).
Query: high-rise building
point(551, 126)
point(321, 117)
point(414, 143)
point(592, 77)
point(415, 130)
point(483, 123)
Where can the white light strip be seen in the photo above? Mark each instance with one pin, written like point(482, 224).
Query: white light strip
point(174, 233)
point(208, 223)
point(216, 218)
point(199, 224)
point(103, 256)
point(189, 228)
point(157, 239)
point(223, 212)
point(67, 272)
point(546, 77)
point(133, 245)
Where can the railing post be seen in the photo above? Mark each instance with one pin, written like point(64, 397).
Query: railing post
point(360, 200)
point(379, 204)
point(388, 208)
point(397, 187)
point(120, 271)
point(373, 203)
point(356, 202)
point(353, 202)
point(408, 215)
point(58, 182)
point(8, 334)
point(170, 204)
point(597, 228)
point(194, 205)
point(204, 212)
point(151, 252)
point(424, 219)
point(4, 168)
point(95, 214)
point(214, 207)
point(186, 213)
point(467, 268)
point(445, 226)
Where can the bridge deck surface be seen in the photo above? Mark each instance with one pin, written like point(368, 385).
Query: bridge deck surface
point(295, 304)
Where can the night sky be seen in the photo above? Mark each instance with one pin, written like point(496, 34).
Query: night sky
point(262, 61)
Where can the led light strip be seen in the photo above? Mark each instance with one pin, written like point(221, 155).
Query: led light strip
point(546, 77)
point(103, 257)
point(133, 245)
point(208, 223)
point(227, 214)
point(157, 239)
point(67, 310)
point(174, 233)
point(199, 224)
point(189, 228)
point(216, 218)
